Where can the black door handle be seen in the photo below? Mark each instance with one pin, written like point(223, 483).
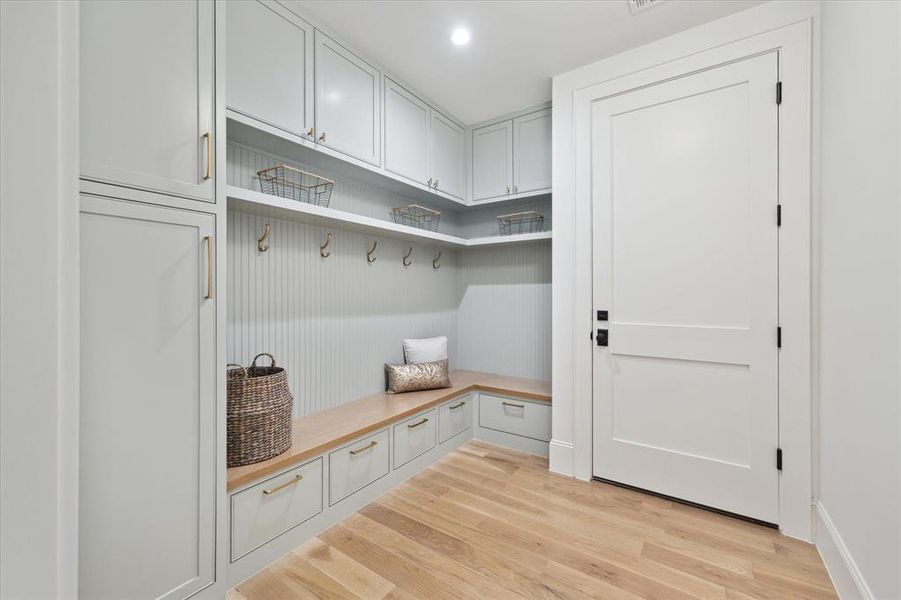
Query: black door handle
point(601, 337)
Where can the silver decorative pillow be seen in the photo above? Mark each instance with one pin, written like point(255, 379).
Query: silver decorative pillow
point(417, 376)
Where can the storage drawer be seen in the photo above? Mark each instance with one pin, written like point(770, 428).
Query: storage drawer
point(268, 509)
point(454, 417)
point(358, 464)
point(519, 417)
point(414, 436)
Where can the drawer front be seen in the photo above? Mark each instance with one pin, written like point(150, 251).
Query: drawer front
point(268, 509)
point(519, 417)
point(414, 436)
point(358, 464)
point(454, 417)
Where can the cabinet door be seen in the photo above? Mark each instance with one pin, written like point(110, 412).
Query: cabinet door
point(447, 155)
point(270, 65)
point(406, 134)
point(347, 102)
point(147, 94)
point(147, 470)
point(492, 161)
point(532, 152)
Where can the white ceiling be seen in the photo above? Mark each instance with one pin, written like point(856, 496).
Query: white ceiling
point(516, 47)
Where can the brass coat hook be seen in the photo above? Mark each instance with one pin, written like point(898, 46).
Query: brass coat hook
point(263, 242)
point(409, 252)
point(328, 240)
point(369, 257)
point(435, 264)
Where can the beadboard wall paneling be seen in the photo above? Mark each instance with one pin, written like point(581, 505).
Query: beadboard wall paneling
point(482, 221)
point(348, 194)
point(504, 320)
point(333, 323)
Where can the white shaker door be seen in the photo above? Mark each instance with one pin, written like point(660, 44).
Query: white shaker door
point(532, 152)
point(492, 161)
point(684, 193)
point(147, 464)
point(448, 149)
point(146, 95)
point(406, 134)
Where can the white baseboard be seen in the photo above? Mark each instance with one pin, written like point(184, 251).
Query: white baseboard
point(846, 576)
point(561, 457)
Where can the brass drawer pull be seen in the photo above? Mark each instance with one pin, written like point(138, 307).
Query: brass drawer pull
point(279, 488)
point(209, 156)
point(456, 406)
point(414, 425)
point(513, 405)
point(208, 240)
point(371, 445)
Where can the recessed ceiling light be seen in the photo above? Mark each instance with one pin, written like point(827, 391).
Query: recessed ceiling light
point(460, 36)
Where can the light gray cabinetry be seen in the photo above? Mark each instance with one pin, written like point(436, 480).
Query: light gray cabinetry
point(270, 65)
point(146, 95)
point(532, 152)
point(446, 155)
point(147, 479)
point(347, 102)
point(407, 120)
point(492, 161)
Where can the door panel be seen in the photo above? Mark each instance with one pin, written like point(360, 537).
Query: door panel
point(406, 134)
point(146, 94)
point(532, 152)
point(147, 464)
point(492, 161)
point(347, 102)
point(447, 155)
point(684, 195)
point(270, 65)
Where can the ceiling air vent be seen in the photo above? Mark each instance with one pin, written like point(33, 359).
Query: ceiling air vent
point(640, 5)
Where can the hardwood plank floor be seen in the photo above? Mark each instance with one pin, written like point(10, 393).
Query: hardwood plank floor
point(489, 522)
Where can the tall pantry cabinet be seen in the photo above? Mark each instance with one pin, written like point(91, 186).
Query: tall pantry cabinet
point(150, 422)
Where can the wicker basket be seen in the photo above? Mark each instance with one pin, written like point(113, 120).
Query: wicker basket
point(259, 413)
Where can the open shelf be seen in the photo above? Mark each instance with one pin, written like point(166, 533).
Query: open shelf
point(280, 208)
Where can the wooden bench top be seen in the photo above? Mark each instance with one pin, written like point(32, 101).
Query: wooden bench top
point(314, 434)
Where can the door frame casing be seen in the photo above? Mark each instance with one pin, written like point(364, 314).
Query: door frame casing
point(788, 29)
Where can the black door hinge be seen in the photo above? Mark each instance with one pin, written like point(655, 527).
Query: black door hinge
point(779, 215)
point(778, 92)
point(779, 337)
point(778, 459)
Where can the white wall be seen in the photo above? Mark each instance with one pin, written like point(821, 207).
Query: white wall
point(38, 293)
point(859, 418)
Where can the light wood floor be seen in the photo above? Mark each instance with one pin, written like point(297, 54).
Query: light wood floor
point(487, 522)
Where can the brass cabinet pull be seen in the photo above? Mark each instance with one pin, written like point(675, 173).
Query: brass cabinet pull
point(456, 406)
point(436, 184)
point(279, 488)
point(209, 156)
point(322, 137)
point(371, 445)
point(311, 132)
point(513, 405)
point(515, 190)
point(508, 189)
point(415, 425)
point(209, 267)
point(430, 182)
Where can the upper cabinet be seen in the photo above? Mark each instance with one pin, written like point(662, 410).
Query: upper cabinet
point(270, 65)
point(492, 161)
point(146, 87)
point(512, 157)
point(421, 144)
point(532, 152)
point(447, 151)
point(406, 134)
point(347, 102)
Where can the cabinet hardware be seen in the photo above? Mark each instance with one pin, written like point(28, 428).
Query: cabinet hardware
point(436, 184)
point(322, 137)
point(778, 459)
point(602, 315)
point(456, 406)
point(371, 445)
point(508, 189)
point(311, 132)
point(415, 425)
point(328, 240)
point(435, 263)
point(208, 240)
point(407, 262)
point(369, 257)
point(209, 156)
point(513, 405)
point(515, 190)
point(602, 337)
point(295, 481)
point(263, 242)
point(430, 182)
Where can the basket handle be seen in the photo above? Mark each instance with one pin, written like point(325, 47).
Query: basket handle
point(229, 365)
point(254, 363)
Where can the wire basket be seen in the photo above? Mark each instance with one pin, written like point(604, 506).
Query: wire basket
point(292, 183)
point(522, 222)
point(417, 216)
